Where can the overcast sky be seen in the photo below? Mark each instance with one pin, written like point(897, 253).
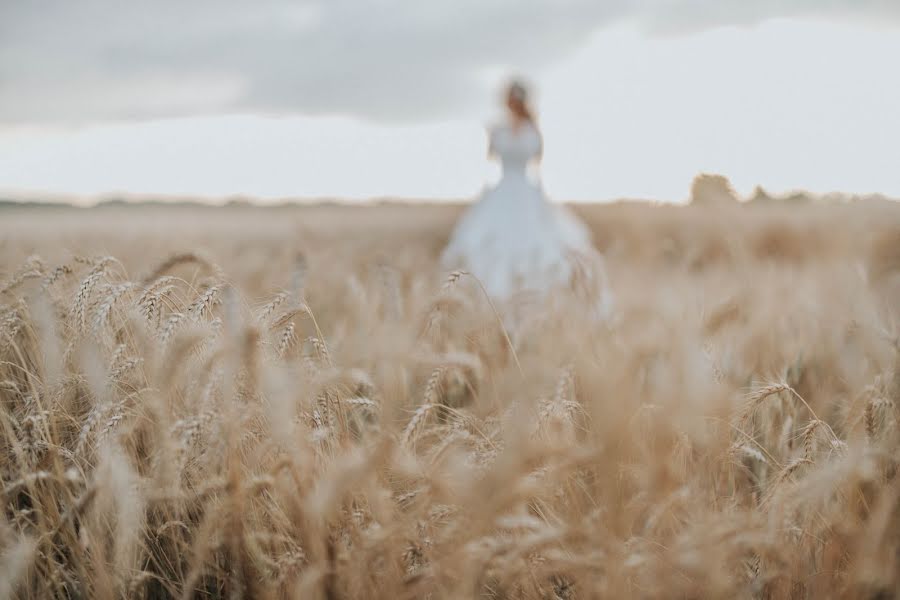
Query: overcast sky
point(368, 98)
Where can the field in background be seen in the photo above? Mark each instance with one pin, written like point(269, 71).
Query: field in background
point(296, 402)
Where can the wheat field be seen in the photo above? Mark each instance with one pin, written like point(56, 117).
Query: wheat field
point(297, 402)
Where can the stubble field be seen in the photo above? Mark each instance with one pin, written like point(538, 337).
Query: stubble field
point(298, 403)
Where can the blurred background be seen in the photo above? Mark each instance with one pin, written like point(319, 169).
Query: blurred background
point(369, 99)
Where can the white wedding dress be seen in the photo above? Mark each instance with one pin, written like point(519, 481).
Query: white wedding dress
point(513, 239)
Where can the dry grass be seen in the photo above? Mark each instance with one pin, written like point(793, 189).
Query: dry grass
point(299, 404)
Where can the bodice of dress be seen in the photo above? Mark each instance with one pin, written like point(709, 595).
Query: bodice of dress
point(513, 239)
point(515, 147)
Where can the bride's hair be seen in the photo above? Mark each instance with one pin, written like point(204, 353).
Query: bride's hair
point(517, 100)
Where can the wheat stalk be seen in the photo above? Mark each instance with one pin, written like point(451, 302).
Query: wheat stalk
point(430, 398)
point(150, 302)
point(204, 303)
point(86, 290)
point(286, 340)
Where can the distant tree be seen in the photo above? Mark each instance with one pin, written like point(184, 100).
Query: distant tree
point(798, 198)
point(761, 195)
point(712, 190)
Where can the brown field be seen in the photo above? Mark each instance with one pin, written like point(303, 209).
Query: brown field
point(297, 403)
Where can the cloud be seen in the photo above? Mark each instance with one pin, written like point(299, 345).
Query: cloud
point(687, 16)
point(100, 60)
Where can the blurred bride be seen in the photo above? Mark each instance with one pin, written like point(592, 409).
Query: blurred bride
point(513, 239)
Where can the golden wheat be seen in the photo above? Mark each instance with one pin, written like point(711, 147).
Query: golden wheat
point(305, 406)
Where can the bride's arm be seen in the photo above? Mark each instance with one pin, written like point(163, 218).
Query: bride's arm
point(539, 151)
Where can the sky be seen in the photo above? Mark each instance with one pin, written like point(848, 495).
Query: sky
point(371, 98)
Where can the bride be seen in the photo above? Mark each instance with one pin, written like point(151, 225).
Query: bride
point(513, 239)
